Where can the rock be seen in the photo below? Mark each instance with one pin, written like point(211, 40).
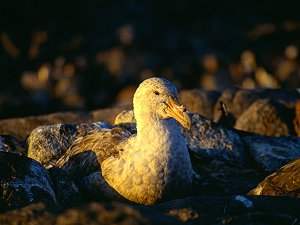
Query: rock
point(217, 177)
point(35, 214)
point(11, 144)
point(237, 209)
point(208, 140)
point(22, 127)
point(285, 181)
point(271, 153)
point(23, 181)
point(266, 117)
point(199, 101)
point(48, 143)
point(67, 192)
point(238, 100)
point(219, 159)
point(93, 213)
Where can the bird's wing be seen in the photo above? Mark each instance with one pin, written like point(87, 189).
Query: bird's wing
point(286, 181)
point(88, 152)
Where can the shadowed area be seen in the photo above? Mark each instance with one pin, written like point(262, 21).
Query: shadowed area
point(68, 55)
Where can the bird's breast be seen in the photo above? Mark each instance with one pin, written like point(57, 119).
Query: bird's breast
point(155, 168)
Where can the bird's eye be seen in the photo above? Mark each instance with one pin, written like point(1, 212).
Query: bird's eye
point(156, 92)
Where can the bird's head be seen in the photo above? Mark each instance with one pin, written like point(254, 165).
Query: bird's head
point(159, 96)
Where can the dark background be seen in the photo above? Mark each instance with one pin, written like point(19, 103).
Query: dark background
point(82, 55)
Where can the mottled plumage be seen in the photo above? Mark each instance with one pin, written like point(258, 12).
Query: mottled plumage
point(88, 152)
point(286, 181)
point(145, 167)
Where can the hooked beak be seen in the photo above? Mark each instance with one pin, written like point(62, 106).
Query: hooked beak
point(178, 112)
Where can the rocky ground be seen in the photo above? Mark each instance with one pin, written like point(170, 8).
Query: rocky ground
point(232, 151)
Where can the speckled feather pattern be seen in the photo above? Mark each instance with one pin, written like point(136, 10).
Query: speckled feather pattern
point(147, 167)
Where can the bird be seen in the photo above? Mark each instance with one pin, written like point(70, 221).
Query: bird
point(285, 181)
point(148, 166)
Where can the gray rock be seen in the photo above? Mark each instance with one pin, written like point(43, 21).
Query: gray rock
point(271, 153)
point(23, 181)
point(48, 143)
point(209, 140)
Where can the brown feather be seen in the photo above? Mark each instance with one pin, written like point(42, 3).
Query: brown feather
point(286, 181)
point(88, 152)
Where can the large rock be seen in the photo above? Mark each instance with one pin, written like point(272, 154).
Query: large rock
point(208, 140)
point(23, 181)
point(271, 153)
point(48, 143)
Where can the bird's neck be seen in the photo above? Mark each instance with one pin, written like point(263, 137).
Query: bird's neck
point(158, 133)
